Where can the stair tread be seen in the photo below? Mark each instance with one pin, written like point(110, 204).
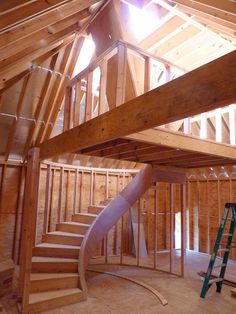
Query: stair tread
point(97, 206)
point(48, 295)
point(41, 259)
point(67, 234)
point(57, 246)
point(74, 223)
point(85, 214)
point(41, 276)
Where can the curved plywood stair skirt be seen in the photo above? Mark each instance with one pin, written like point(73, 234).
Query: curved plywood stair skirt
point(110, 215)
point(57, 278)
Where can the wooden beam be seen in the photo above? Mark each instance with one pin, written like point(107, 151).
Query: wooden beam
point(18, 14)
point(206, 88)
point(224, 6)
point(38, 23)
point(40, 103)
point(185, 142)
point(161, 32)
point(223, 18)
point(68, 70)
point(19, 107)
point(39, 38)
point(55, 91)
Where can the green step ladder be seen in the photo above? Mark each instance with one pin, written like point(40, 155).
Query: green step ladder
point(208, 280)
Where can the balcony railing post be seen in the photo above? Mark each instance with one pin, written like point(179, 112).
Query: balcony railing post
point(121, 74)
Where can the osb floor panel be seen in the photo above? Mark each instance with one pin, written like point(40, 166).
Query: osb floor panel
point(111, 295)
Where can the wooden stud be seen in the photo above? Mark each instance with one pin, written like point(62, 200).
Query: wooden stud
point(50, 218)
point(47, 200)
point(60, 200)
point(17, 232)
point(121, 74)
point(67, 122)
point(29, 224)
point(232, 124)
point(75, 191)
point(103, 88)
point(183, 224)
point(155, 226)
point(4, 168)
point(171, 226)
point(89, 97)
point(147, 75)
point(81, 192)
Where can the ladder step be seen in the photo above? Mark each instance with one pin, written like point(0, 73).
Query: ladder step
point(223, 250)
point(215, 280)
point(219, 265)
point(227, 234)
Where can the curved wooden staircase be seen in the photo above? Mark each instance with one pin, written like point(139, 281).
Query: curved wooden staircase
point(59, 263)
point(54, 280)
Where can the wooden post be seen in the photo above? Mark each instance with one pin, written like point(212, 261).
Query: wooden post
point(51, 200)
point(4, 168)
point(232, 124)
point(60, 194)
point(67, 109)
point(147, 75)
point(187, 126)
point(77, 100)
point(171, 226)
point(103, 87)
point(47, 200)
point(89, 97)
point(155, 226)
point(183, 224)
point(29, 224)
point(75, 191)
point(91, 188)
point(121, 74)
point(81, 192)
point(18, 209)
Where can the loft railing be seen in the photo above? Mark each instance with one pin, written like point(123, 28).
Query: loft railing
point(121, 73)
point(124, 72)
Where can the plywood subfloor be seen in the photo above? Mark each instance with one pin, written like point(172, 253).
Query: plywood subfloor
point(111, 295)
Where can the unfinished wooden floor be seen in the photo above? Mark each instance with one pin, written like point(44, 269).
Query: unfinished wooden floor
point(113, 295)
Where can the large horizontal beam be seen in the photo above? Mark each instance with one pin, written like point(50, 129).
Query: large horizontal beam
point(184, 142)
point(206, 88)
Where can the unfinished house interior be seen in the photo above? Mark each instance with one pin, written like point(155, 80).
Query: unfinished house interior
point(118, 156)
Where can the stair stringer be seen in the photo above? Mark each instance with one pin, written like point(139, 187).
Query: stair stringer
point(110, 215)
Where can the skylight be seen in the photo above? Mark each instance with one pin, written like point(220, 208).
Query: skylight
point(85, 55)
point(143, 21)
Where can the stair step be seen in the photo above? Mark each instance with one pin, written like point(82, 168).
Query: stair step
point(61, 237)
point(41, 301)
point(219, 265)
point(54, 265)
point(95, 209)
point(84, 218)
point(56, 250)
point(73, 227)
point(215, 280)
point(223, 250)
point(40, 282)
